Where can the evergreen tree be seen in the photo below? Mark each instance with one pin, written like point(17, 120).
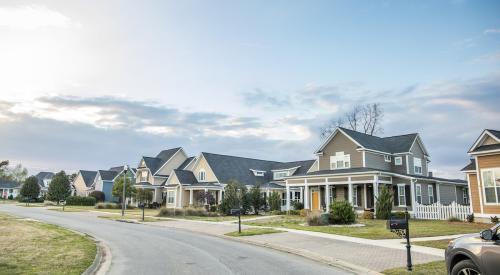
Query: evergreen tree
point(30, 189)
point(275, 201)
point(384, 204)
point(256, 199)
point(59, 187)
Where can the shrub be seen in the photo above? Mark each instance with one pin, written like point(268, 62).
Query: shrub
point(172, 212)
point(10, 197)
point(342, 212)
point(470, 218)
point(77, 200)
point(256, 198)
point(454, 219)
point(98, 195)
point(368, 215)
point(26, 199)
point(494, 219)
point(108, 205)
point(314, 219)
point(304, 212)
point(297, 205)
point(277, 212)
point(384, 204)
point(274, 201)
point(294, 212)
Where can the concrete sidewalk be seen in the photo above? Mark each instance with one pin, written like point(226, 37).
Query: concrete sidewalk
point(357, 254)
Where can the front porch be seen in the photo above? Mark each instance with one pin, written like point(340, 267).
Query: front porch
point(179, 196)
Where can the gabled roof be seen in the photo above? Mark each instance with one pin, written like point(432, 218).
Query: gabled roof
point(88, 177)
point(477, 147)
point(154, 164)
point(470, 167)
point(9, 184)
point(43, 175)
point(108, 174)
point(227, 168)
point(185, 177)
point(185, 163)
point(391, 145)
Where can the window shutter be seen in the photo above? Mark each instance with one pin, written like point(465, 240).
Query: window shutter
point(346, 193)
point(359, 196)
point(408, 195)
point(396, 197)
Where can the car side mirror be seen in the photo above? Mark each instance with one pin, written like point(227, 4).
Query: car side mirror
point(486, 234)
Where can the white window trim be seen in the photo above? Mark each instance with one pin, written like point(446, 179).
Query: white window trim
point(465, 195)
point(202, 172)
point(400, 159)
point(430, 190)
point(169, 196)
point(399, 195)
point(281, 172)
point(355, 202)
point(387, 158)
point(494, 184)
point(340, 156)
point(415, 166)
point(418, 187)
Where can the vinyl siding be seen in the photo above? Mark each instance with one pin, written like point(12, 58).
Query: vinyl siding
point(399, 168)
point(425, 192)
point(173, 163)
point(377, 161)
point(484, 162)
point(80, 186)
point(138, 175)
point(417, 153)
point(447, 193)
point(474, 191)
point(340, 143)
point(203, 164)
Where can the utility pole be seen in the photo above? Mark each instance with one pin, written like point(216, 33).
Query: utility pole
point(125, 169)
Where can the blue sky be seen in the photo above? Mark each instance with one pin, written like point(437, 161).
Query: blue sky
point(93, 84)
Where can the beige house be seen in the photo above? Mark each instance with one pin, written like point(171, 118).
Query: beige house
point(354, 166)
point(483, 175)
point(83, 182)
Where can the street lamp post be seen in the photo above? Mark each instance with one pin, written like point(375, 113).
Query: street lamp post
point(125, 169)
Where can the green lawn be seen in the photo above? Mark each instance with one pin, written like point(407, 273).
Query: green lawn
point(375, 229)
point(253, 231)
point(30, 247)
point(441, 244)
point(214, 219)
point(432, 268)
point(136, 211)
point(134, 218)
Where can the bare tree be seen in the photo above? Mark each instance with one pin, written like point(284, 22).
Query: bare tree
point(362, 118)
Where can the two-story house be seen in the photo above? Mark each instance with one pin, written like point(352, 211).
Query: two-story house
point(354, 166)
point(212, 172)
point(153, 172)
point(83, 182)
point(44, 179)
point(483, 175)
point(105, 179)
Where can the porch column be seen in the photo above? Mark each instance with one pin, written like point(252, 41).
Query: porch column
point(287, 196)
point(349, 184)
point(206, 201)
point(220, 197)
point(327, 196)
point(190, 197)
point(302, 194)
point(267, 195)
point(438, 195)
point(366, 195)
point(412, 191)
point(375, 193)
point(306, 196)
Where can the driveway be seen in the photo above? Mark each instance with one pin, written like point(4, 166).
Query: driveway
point(145, 249)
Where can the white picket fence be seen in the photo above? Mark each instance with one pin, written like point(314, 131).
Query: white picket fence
point(438, 211)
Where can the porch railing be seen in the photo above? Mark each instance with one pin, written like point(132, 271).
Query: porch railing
point(437, 211)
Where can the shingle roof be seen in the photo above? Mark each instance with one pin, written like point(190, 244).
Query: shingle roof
point(157, 162)
point(185, 177)
point(117, 168)
point(496, 133)
point(88, 177)
point(9, 184)
point(107, 174)
point(487, 147)
point(185, 163)
point(272, 185)
point(470, 166)
point(43, 175)
point(393, 144)
point(227, 168)
point(167, 154)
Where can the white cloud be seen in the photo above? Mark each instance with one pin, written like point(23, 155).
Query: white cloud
point(492, 31)
point(32, 17)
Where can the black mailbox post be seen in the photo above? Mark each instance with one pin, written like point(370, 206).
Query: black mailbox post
point(402, 228)
point(235, 212)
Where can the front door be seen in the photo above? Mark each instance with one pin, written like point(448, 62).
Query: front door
point(315, 200)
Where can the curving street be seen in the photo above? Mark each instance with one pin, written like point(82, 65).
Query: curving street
point(144, 249)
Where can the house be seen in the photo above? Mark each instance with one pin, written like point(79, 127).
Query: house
point(9, 189)
point(83, 182)
point(483, 175)
point(354, 166)
point(153, 172)
point(212, 172)
point(105, 179)
point(44, 179)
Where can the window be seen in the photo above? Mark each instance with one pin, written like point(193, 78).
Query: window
point(491, 185)
point(430, 190)
point(355, 195)
point(398, 160)
point(171, 196)
point(280, 174)
point(201, 175)
point(466, 195)
point(417, 163)
point(340, 161)
point(259, 173)
point(144, 176)
point(418, 193)
point(387, 158)
point(402, 195)
point(333, 193)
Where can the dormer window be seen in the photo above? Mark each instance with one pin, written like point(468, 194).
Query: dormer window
point(259, 173)
point(340, 161)
point(201, 175)
point(387, 158)
point(281, 174)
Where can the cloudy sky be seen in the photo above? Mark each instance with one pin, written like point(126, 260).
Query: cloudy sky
point(94, 84)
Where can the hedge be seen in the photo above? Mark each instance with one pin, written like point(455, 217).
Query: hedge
point(77, 200)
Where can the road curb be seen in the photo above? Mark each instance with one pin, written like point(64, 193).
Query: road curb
point(102, 260)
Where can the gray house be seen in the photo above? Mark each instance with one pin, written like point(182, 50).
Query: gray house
point(9, 189)
point(354, 166)
point(44, 179)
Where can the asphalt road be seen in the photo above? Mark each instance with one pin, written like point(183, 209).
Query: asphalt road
point(146, 249)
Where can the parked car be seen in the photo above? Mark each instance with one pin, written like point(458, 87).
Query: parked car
point(475, 253)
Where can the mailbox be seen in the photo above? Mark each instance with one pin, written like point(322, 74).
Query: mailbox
point(397, 223)
point(235, 212)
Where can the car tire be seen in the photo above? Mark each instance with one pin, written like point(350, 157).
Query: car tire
point(465, 267)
